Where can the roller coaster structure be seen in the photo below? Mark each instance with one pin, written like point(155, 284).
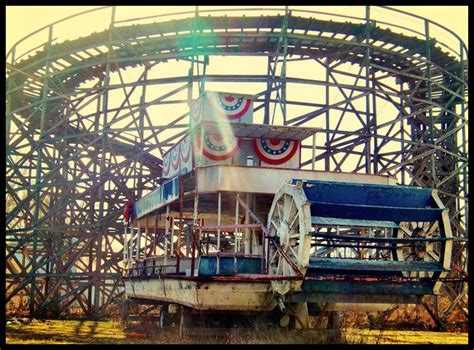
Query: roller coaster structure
point(83, 136)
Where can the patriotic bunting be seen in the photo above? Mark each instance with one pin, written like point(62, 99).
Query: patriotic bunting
point(175, 158)
point(197, 111)
point(185, 149)
point(218, 148)
point(178, 160)
point(234, 107)
point(275, 151)
point(166, 165)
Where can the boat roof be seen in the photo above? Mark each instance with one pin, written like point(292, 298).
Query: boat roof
point(259, 130)
point(252, 130)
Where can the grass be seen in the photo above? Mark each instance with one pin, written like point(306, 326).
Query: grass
point(259, 332)
point(404, 337)
point(65, 332)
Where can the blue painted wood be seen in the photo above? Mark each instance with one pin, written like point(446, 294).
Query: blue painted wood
point(248, 265)
point(226, 266)
point(320, 220)
point(369, 287)
point(331, 298)
point(355, 201)
point(374, 212)
point(208, 265)
point(164, 194)
point(378, 195)
point(373, 265)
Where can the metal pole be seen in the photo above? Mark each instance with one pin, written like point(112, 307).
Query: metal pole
point(155, 232)
point(167, 230)
point(180, 228)
point(130, 247)
point(313, 151)
point(283, 70)
point(193, 250)
point(253, 237)
point(218, 230)
point(236, 239)
point(125, 243)
point(193, 232)
point(248, 237)
point(172, 236)
point(146, 237)
point(139, 238)
point(218, 220)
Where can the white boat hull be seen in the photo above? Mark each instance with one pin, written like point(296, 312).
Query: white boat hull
point(204, 295)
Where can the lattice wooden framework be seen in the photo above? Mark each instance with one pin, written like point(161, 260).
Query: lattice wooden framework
point(83, 136)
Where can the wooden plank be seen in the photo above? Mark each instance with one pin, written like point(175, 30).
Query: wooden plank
point(376, 239)
point(323, 221)
point(373, 265)
point(368, 287)
point(229, 227)
point(331, 298)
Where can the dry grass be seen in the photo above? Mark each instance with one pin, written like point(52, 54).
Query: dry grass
point(257, 332)
point(65, 332)
point(366, 336)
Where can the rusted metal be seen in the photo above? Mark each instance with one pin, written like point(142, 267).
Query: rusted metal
point(193, 249)
point(146, 236)
point(181, 224)
point(229, 227)
point(266, 233)
point(252, 215)
point(240, 278)
point(400, 279)
point(155, 233)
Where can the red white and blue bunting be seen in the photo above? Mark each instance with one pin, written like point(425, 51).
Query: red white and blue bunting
point(275, 151)
point(197, 111)
point(234, 107)
point(166, 165)
point(217, 147)
point(178, 160)
point(175, 158)
point(185, 149)
point(185, 153)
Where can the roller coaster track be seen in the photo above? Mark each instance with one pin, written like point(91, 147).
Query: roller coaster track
point(44, 87)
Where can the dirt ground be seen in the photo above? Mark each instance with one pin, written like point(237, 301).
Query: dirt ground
point(26, 331)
